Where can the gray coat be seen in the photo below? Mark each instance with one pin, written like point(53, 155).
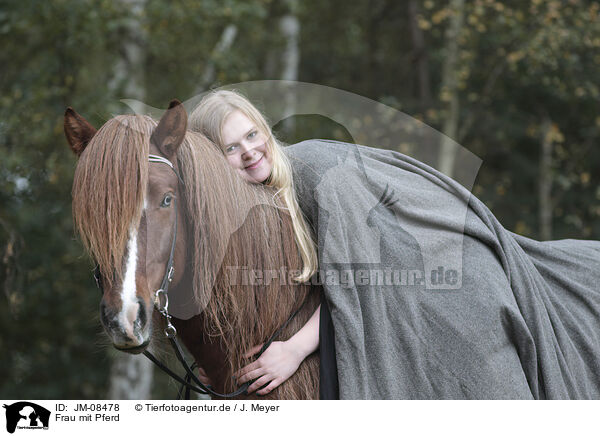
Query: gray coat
point(430, 297)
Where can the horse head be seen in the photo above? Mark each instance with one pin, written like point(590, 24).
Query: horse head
point(125, 210)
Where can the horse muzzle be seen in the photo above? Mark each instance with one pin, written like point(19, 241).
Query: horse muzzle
point(129, 328)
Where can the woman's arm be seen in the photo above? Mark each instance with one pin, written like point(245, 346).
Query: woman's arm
point(281, 359)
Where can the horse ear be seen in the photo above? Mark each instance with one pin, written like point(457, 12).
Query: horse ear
point(78, 131)
point(169, 133)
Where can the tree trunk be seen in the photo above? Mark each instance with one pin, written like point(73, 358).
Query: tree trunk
point(225, 42)
point(449, 89)
point(10, 277)
point(545, 183)
point(289, 26)
point(131, 375)
point(419, 56)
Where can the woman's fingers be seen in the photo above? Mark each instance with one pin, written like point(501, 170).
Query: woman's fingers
point(267, 389)
point(272, 368)
point(251, 375)
point(203, 376)
point(246, 369)
point(260, 383)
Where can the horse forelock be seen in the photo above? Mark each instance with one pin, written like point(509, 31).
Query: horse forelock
point(109, 186)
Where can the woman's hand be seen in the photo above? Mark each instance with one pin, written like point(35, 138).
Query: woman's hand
point(281, 359)
point(275, 365)
point(203, 376)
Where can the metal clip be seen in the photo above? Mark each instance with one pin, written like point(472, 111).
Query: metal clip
point(170, 275)
point(161, 304)
point(170, 330)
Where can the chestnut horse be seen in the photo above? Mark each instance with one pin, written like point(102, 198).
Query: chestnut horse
point(125, 208)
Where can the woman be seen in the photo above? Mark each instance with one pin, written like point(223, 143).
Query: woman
point(430, 296)
point(243, 135)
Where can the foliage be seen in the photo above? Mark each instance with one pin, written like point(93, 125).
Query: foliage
point(519, 65)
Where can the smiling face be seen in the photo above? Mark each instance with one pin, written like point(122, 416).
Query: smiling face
point(245, 148)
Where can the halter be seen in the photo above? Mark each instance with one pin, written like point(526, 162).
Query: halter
point(161, 303)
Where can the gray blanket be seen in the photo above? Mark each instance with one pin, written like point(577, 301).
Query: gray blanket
point(431, 298)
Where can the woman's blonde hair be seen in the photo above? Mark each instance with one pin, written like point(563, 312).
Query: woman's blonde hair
point(208, 118)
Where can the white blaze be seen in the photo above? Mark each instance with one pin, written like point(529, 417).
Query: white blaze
point(130, 307)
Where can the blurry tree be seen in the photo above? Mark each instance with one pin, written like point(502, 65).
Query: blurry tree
point(289, 26)
point(131, 375)
point(420, 56)
point(449, 92)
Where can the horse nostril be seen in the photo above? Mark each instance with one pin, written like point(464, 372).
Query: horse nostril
point(107, 317)
point(141, 315)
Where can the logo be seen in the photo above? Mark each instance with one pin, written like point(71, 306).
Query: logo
point(26, 415)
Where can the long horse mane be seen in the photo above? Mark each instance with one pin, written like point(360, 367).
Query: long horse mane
point(234, 228)
point(247, 226)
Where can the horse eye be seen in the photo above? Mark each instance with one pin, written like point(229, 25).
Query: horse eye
point(166, 201)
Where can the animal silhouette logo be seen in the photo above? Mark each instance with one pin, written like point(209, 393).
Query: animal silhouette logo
point(26, 415)
point(359, 196)
point(333, 192)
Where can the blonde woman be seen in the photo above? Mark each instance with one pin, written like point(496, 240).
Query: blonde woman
point(240, 130)
point(430, 296)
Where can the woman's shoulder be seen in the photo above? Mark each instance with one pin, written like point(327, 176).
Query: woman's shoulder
point(316, 154)
point(319, 144)
point(308, 149)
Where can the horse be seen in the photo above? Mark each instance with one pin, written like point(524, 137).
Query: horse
point(147, 194)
